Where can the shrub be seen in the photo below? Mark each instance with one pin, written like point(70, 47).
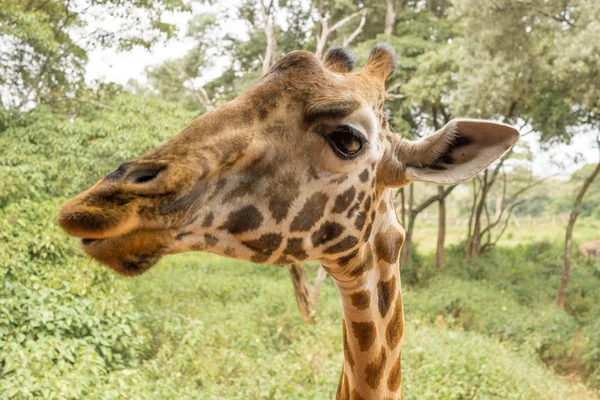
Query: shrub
point(480, 307)
point(65, 323)
point(441, 364)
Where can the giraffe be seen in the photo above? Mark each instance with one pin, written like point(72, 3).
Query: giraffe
point(299, 167)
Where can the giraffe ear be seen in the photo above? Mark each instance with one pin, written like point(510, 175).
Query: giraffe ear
point(457, 152)
point(339, 59)
point(381, 62)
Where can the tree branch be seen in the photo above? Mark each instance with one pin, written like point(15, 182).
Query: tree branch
point(357, 31)
point(326, 30)
point(433, 199)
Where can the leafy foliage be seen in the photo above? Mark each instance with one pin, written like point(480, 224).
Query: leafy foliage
point(496, 293)
point(65, 323)
point(45, 43)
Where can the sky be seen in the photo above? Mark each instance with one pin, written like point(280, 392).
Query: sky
point(112, 66)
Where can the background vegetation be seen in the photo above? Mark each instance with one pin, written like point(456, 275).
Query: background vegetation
point(482, 317)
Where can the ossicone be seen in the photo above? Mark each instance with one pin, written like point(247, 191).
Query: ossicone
point(382, 61)
point(339, 59)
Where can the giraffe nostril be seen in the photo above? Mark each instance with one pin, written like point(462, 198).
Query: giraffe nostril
point(144, 178)
point(144, 175)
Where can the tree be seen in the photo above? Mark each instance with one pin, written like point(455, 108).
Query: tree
point(413, 212)
point(45, 43)
point(564, 280)
point(390, 16)
point(307, 296)
point(425, 81)
point(180, 80)
point(268, 12)
point(327, 28)
point(550, 51)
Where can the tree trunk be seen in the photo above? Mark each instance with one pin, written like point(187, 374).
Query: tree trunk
point(270, 35)
point(413, 212)
point(407, 246)
point(439, 255)
point(307, 297)
point(474, 242)
point(390, 17)
point(564, 280)
point(499, 206)
point(403, 207)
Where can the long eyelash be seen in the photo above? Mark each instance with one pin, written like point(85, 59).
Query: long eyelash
point(357, 134)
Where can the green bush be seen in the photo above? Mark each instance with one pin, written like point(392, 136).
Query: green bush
point(510, 293)
point(45, 155)
point(480, 307)
point(440, 364)
point(591, 351)
point(65, 323)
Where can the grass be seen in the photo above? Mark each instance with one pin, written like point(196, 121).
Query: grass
point(528, 230)
point(225, 329)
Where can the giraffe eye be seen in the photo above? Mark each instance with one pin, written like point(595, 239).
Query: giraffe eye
point(346, 142)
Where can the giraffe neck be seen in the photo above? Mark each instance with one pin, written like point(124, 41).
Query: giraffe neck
point(373, 317)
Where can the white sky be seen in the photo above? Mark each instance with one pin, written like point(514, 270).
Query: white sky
point(111, 66)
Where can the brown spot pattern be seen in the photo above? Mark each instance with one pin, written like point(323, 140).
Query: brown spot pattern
point(356, 395)
point(339, 180)
point(245, 219)
point(266, 244)
point(280, 204)
point(311, 212)
point(368, 204)
point(365, 265)
point(345, 244)
point(361, 196)
point(295, 249)
point(259, 257)
point(210, 239)
point(361, 300)
point(360, 221)
point(312, 172)
point(283, 259)
point(387, 245)
point(327, 232)
point(395, 377)
point(374, 371)
point(343, 201)
point(365, 333)
point(395, 328)
point(385, 291)
point(347, 258)
point(218, 188)
point(367, 233)
point(353, 209)
point(283, 193)
point(364, 176)
point(244, 187)
point(208, 220)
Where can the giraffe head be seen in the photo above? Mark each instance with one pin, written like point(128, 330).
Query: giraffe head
point(293, 169)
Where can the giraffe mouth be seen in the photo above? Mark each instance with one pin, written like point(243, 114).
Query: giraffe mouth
point(90, 242)
point(131, 253)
